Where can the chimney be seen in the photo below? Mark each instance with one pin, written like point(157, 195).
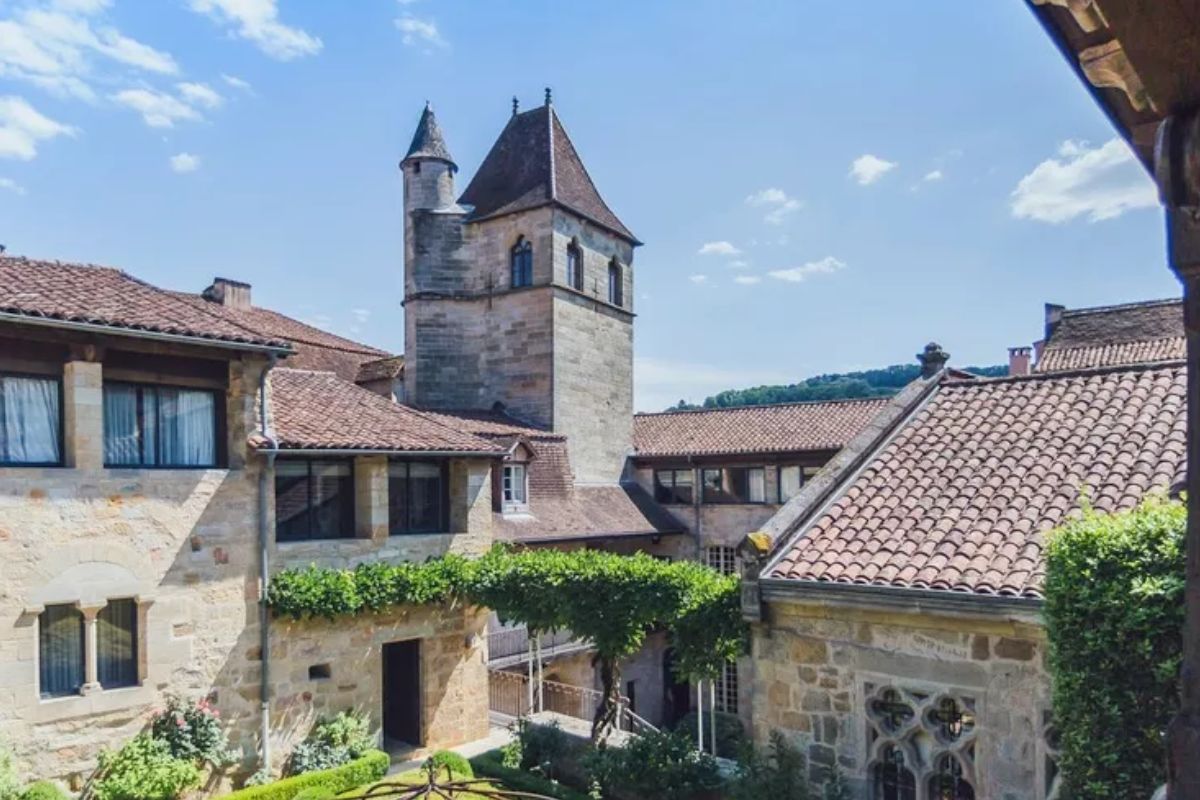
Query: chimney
point(933, 359)
point(1054, 315)
point(1019, 360)
point(231, 294)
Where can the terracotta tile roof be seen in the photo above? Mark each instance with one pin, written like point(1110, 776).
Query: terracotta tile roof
point(1109, 336)
point(492, 423)
point(961, 496)
point(105, 296)
point(319, 410)
point(587, 512)
point(784, 427)
point(382, 369)
point(533, 163)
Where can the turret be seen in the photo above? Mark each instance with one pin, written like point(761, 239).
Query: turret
point(428, 168)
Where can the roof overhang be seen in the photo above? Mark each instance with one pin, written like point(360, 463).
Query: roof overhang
point(895, 598)
point(563, 538)
point(303, 452)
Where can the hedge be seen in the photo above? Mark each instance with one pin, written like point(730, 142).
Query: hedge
point(1114, 614)
point(488, 765)
point(371, 767)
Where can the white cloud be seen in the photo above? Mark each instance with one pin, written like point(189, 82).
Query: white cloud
point(721, 248)
point(419, 31)
point(933, 175)
point(1100, 182)
point(237, 83)
point(739, 264)
point(82, 6)
point(184, 162)
point(698, 278)
point(22, 127)
point(158, 110)
point(257, 21)
point(10, 185)
point(866, 169)
point(200, 94)
point(776, 201)
point(825, 266)
point(361, 315)
point(747, 280)
point(659, 383)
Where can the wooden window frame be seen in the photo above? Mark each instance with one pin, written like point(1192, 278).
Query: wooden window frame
point(350, 533)
point(443, 497)
point(220, 445)
point(62, 419)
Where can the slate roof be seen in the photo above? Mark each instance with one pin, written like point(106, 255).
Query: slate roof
point(1132, 333)
point(103, 296)
point(960, 498)
point(427, 141)
point(318, 410)
point(783, 427)
point(533, 163)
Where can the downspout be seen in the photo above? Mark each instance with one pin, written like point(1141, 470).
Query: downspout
point(264, 567)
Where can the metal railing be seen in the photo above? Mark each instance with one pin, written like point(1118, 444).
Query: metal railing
point(513, 644)
point(509, 695)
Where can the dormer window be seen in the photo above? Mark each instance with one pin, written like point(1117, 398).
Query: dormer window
point(515, 488)
point(522, 263)
point(614, 282)
point(575, 265)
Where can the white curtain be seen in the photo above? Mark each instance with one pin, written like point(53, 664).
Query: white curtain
point(121, 445)
point(188, 427)
point(758, 486)
point(176, 427)
point(31, 420)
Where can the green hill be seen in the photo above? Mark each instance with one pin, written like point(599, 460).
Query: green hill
point(835, 386)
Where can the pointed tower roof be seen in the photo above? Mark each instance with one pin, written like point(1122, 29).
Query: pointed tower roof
point(532, 164)
point(428, 141)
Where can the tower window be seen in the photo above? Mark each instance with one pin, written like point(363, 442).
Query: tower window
point(575, 266)
point(522, 263)
point(614, 282)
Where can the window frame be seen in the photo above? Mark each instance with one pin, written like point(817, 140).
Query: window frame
point(674, 486)
point(443, 525)
point(718, 557)
point(736, 501)
point(514, 506)
point(62, 418)
point(220, 445)
point(779, 480)
point(575, 277)
point(520, 266)
point(135, 644)
point(725, 689)
point(616, 289)
point(352, 533)
point(41, 655)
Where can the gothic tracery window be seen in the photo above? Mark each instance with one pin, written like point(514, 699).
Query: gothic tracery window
point(922, 744)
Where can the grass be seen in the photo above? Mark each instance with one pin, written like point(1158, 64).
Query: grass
point(487, 767)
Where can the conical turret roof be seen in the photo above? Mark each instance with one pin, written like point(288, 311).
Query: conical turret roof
point(428, 141)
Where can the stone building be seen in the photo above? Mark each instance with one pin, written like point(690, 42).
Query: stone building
point(895, 610)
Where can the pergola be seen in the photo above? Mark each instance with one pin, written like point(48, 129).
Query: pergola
point(1140, 59)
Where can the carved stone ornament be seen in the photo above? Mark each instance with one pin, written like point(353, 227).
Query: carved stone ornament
point(1107, 67)
point(1087, 14)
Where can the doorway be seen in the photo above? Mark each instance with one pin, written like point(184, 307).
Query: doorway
point(677, 694)
point(402, 692)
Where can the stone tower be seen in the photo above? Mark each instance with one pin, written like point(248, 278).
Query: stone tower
point(521, 292)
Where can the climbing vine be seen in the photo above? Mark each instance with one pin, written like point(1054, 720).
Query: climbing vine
point(611, 600)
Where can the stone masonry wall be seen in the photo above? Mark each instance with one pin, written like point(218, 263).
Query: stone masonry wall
point(818, 667)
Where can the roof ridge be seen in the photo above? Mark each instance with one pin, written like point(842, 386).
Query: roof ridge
point(1072, 312)
point(783, 403)
point(1143, 366)
point(1121, 343)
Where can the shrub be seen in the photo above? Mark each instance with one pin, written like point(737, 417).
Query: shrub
point(44, 790)
point(192, 731)
point(315, 793)
point(730, 734)
point(331, 743)
point(778, 773)
point(10, 783)
point(1114, 611)
point(144, 769)
point(372, 766)
point(663, 765)
point(456, 767)
point(536, 748)
point(491, 765)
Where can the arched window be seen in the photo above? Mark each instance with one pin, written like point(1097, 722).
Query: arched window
point(947, 781)
point(614, 282)
point(575, 265)
point(892, 778)
point(522, 263)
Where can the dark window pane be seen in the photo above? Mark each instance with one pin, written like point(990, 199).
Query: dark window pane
point(398, 497)
point(116, 644)
point(291, 500)
point(425, 485)
point(332, 498)
point(684, 492)
point(664, 486)
point(60, 651)
point(29, 420)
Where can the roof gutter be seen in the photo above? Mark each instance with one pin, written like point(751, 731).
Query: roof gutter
point(315, 451)
point(588, 537)
point(135, 333)
point(895, 597)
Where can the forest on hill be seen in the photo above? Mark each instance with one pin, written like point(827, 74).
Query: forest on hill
point(834, 386)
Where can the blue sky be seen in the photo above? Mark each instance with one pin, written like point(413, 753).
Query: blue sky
point(821, 186)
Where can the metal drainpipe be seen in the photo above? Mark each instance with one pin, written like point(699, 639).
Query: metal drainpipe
point(264, 566)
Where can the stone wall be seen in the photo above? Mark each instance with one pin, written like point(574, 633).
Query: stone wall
point(820, 673)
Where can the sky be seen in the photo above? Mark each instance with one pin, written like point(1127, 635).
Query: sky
point(821, 186)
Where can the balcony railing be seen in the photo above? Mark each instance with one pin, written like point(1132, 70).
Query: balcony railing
point(509, 646)
point(509, 695)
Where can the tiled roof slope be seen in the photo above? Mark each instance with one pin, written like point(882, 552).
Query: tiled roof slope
point(1109, 336)
point(105, 296)
point(533, 163)
point(319, 410)
point(784, 427)
point(315, 349)
point(587, 512)
point(963, 494)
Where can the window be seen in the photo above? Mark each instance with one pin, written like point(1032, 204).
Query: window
point(574, 266)
point(920, 739)
point(735, 485)
point(159, 426)
point(522, 263)
point(30, 420)
point(614, 282)
point(116, 644)
point(313, 500)
point(416, 497)
point(673, 486)
point(726, 689)
point(722, 559)
point(791, 479)
point(514, 491)
point(60, 651)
